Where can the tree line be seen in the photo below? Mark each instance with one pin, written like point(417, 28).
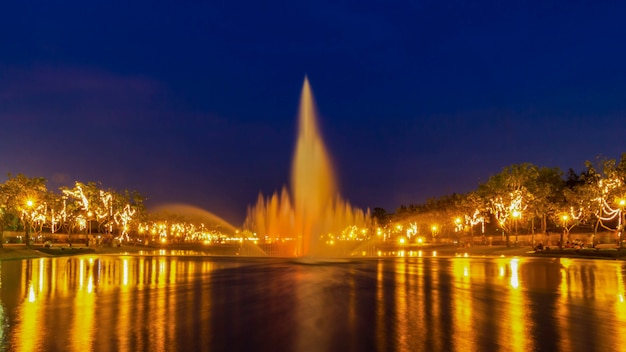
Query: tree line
point(537, 198)
point(27, 204)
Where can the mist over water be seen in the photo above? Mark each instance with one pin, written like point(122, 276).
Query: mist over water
point(195, 214)
point(312, 207)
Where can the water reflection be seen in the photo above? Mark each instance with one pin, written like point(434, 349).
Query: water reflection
point(160, 303)
point(462, 309)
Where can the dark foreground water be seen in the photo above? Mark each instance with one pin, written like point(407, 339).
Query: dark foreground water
point(167, 303)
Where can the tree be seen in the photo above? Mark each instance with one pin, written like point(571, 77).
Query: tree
point(507, 195)
point(473, 208)
point(76, 207)
point(381, 216)
point(611, 190)
point(24, 198)
point(579, 202)
point(547, 191)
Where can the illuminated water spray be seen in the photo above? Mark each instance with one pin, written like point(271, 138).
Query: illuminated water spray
point(315, 210)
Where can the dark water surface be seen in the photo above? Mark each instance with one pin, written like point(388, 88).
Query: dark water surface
point(170, 303)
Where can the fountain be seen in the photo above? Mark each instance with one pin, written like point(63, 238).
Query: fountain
point(314, 209)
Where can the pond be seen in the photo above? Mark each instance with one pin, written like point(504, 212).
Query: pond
point(191, 303)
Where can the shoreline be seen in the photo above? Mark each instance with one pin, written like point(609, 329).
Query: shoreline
point(605, 252)
point(19, 251)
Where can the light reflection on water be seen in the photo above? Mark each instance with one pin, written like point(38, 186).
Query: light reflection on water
point(161, 303)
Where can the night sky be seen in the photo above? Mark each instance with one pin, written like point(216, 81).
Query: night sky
point(196, 102)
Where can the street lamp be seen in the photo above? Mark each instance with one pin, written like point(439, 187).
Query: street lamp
point(458, 227)
point(434, 231)
point(27, 221)
point(621, 203)
point(565, 218)
point(457, 223)
point(516, 215)
point(89, 215)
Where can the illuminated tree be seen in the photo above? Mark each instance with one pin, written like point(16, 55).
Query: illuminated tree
point(610, 192)
point(579, 204)
point(76, 207)
point(547, 195)
point(507, 195)
point(127, 208)
point(472, 207)
point(24, 198)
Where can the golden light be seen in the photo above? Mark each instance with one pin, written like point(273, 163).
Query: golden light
point(457, 220)
point(565, 217)
point(434, 228)
point(516, 214)
point(621, 202)
point(514, 263)
point(420, 240)
point(29, 203)
point(402, 240)
point(90, 214)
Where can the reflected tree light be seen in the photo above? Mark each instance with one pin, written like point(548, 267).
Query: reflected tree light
point(125, 272)
point(514, 264)
point(31, 292)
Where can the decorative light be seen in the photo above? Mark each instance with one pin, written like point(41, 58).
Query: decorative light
point(503, 209)
point(79, 195)
point(476, 218)
point(458, 224)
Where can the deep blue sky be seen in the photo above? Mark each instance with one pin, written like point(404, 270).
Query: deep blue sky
point(196, 102)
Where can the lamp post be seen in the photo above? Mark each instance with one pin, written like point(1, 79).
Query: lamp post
point(434, 231)
point(89, 215)
point(458, 228)
point(27, 221)
point(516, 215)
point(565, 218)
point(621, 203)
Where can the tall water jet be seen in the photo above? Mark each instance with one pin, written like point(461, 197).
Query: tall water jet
point(312, 174)
point(315, 208)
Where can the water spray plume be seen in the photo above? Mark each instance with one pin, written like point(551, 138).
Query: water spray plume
point(195, 214)
point(314, 208)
